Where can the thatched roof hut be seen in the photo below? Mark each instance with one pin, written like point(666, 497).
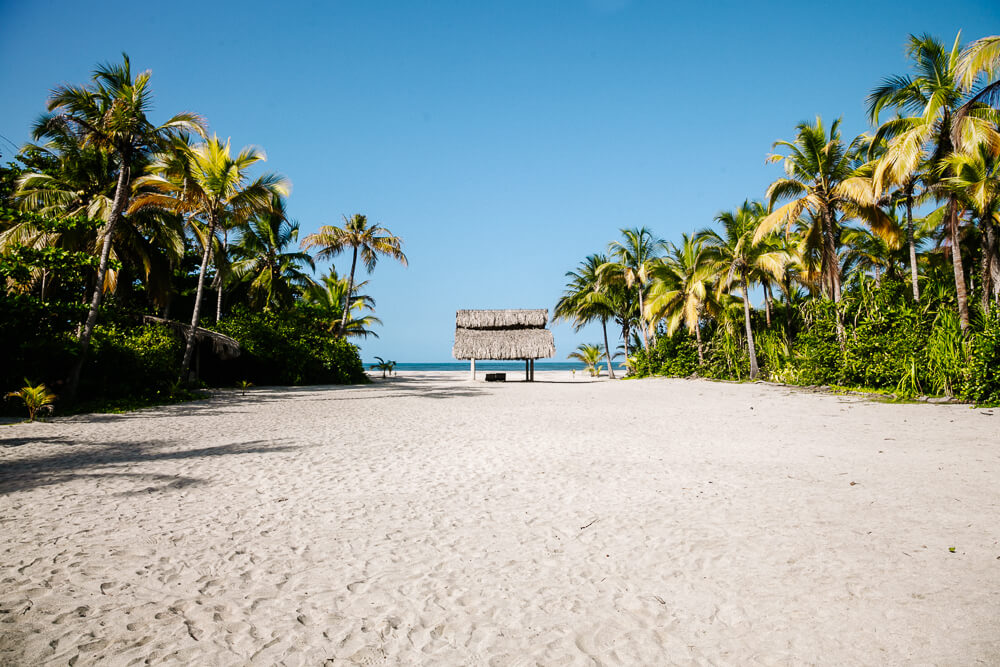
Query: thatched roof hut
point(503, 335)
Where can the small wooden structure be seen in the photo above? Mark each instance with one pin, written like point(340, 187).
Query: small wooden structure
point(500, 335)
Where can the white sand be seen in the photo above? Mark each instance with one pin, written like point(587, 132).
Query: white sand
point(428, 520)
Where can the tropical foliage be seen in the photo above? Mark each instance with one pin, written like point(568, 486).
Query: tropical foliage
point(875, 259)
point(114, 227)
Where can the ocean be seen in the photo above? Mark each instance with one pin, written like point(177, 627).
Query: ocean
point(484, 366)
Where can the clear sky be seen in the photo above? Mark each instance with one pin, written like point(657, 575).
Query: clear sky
point(504, 141)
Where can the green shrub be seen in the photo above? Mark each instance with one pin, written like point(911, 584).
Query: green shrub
point(131, 362)
point(290, 348)
point(675, 356)
point(982, 385)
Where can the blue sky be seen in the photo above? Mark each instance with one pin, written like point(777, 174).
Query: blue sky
point(504, 141)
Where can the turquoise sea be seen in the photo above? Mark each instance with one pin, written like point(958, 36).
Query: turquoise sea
point(485, 366)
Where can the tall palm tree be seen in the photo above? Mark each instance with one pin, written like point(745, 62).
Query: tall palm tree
point(110, 114)
point(262, 258)
point(976, 182)
point(370, 241)
point(631, 260)
point(587, 299)
point(934, 95)
point(209, 183)
point(738, 259)
point(681, 288)
point(820, 179)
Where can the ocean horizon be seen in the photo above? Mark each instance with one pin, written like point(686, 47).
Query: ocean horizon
point(483, 366)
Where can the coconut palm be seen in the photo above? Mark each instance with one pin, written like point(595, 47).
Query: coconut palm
point(370, 241)
point(262, 258)
point(590, 355)
point(976, 182)
point(205, 181)
point(934, 95)
point(680, 288)
point(327, 296)
point(820, 179)
point(110, 114)
point(631, 259)
point(737, 259)
point(586, 300)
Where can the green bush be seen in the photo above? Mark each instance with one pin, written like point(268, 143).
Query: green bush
point(675, 356)
point(38, 342)
point(291, 348)
point(982, 385)
point(131, 362)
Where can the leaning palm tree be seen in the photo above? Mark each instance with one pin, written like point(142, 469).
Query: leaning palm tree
point(262, 258)
point(110, 115)
point(371, 242)
point(586, 300)
point(632, 258)
point(207, 182)
point(590, 355)
point(737, 259)
point(820, 179)
point(681, 288)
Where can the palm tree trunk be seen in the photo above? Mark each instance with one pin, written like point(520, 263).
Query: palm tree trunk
point(347, 296)
point(218, 298)
point(989, 261)
point(767, 302)
point(189, 348)
point(117, 206)
point(607, 350)
point(956, 263)
point(912, 244)
point(642, 321)
point(746, 319)
point(697, 337)
point(830, 256)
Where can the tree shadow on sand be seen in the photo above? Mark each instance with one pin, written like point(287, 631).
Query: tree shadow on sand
point(82, 461)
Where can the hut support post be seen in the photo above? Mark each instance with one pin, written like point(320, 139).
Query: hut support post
point(527, 372)
point(532, 370)
point(473, 370)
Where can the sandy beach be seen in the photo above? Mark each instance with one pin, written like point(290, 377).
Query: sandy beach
point(430, 520)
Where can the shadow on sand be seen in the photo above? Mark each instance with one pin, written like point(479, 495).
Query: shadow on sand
point(81, 461)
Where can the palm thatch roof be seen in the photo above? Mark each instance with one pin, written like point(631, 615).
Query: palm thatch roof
point(503, 334)
point(222, 345)
point(502, 319)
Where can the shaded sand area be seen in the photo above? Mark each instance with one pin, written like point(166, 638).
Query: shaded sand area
point(429, 520)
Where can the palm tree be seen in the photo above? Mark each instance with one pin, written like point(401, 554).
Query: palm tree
point(371, 242)
point(737, 258)
point(976, 182)
point(586, 299)
point(632, 258)
point(590, 355)
point(110, 115)
point(820, 179)
point(328, 297)
point(934, 95)
point(680, 288)
point(207, 182)
point(262, 258)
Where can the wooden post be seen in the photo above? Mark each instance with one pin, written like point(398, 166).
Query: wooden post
point(527, 372)
point(532, 370)
point(473, 378)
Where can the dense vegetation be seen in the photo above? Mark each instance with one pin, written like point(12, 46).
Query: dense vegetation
point(877, 258)
point(130, 250)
